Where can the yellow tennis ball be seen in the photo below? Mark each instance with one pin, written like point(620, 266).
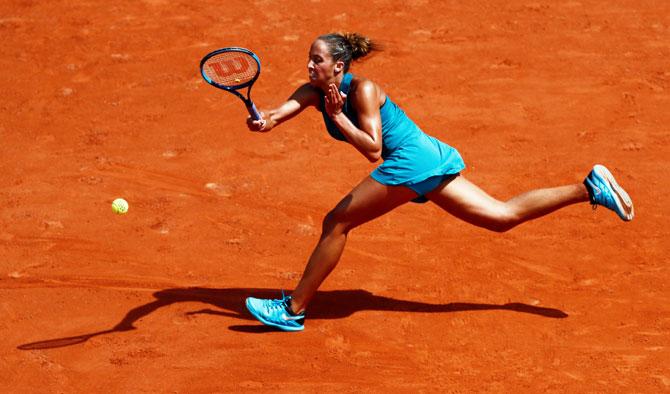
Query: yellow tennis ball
point(119, 206)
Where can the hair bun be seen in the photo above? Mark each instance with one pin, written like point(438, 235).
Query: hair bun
point(360, 45)
point(346, 47)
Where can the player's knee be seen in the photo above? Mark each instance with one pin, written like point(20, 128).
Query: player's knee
point(335, 221)
point(503, 221)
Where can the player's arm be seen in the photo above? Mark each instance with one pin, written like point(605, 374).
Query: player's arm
point(365, 99)
point(305, 96)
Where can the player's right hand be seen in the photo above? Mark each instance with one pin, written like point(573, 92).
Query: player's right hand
point(258, 125)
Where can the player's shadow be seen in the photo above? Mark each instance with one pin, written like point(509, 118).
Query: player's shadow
point(334, 304)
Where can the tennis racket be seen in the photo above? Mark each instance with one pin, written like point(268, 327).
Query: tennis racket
point(233, 69)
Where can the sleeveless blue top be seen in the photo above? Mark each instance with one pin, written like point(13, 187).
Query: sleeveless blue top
point(410, 155)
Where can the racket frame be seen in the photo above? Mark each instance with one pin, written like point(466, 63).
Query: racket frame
point(251, 107)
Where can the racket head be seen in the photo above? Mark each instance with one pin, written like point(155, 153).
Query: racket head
point(230, 68)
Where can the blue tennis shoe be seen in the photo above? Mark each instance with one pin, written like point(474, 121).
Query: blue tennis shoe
point(276, 313)
point(603, 190)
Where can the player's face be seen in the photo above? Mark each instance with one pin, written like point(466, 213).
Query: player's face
point(321, 67)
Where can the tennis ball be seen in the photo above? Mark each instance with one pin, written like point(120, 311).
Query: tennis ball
point(119, 206)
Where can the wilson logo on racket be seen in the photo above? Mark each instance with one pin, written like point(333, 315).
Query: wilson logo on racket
point(228, 67)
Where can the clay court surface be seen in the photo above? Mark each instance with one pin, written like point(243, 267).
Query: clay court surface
point(103, 100)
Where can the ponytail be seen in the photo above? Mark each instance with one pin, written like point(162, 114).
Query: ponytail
point(346, 47)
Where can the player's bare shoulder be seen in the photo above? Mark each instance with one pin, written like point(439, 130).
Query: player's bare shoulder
point(365, 88)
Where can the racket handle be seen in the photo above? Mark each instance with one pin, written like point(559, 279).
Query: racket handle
point(251, 108)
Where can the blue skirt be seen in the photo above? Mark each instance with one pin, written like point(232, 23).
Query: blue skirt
point(420, 163)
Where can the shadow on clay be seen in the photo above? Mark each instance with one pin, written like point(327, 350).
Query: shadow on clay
point(334, 304)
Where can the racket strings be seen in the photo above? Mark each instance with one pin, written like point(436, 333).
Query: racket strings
point(231, 68)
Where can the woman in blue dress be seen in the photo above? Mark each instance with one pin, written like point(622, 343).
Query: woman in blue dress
point(416, 167)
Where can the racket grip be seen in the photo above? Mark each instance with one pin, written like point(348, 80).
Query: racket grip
point(253, 111)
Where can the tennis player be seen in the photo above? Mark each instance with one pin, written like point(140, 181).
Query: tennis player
point(416, 167)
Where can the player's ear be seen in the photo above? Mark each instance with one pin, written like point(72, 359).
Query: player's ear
point(339, 66)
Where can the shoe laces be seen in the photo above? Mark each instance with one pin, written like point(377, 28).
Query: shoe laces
point(279, 304)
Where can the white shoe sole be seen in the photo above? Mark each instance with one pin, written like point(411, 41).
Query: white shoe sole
point(621, 198)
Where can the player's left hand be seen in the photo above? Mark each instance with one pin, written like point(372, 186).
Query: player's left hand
point(334, 100)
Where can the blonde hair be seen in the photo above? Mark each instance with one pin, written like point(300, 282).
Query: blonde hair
point(346, 47)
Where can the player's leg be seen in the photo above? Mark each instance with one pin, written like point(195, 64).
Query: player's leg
point(468, 202)
point(465, 200)
point(367, 201)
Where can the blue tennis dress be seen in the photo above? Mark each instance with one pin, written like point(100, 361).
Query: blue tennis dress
point(411, 157)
